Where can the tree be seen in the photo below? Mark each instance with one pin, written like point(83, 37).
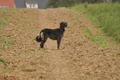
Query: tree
point(68, 3)
point(61, 3)
point(52, 3)
point(115, 0)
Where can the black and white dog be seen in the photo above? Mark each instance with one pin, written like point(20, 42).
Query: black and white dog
point(54, 34)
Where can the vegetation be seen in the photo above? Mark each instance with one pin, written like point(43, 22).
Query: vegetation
point(3, 22)
point(68, 3)
point(1, 60)
point(95, 38)
point(6, 42)
point(104, 15)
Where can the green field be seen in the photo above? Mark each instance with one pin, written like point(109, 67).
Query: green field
point(104, 15)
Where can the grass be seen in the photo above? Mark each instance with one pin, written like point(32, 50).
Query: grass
point(95, 38)
point(0, 38)
point(27, 51)
point(6, 69)
point(6, 43)
point(5, 19)
point(70, 57)
point(104, 15)
point(49, 17)
point(2, 60)
point(8, 9)
point(76, 21)
point(3, 23)
point(87, 32)
point(41, 53)
point(18, 27)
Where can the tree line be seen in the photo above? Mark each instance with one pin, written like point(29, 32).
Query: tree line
point(68, 3)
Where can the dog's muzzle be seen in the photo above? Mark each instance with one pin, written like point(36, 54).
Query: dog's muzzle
point(64, 28)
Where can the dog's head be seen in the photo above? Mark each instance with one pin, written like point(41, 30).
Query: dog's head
point(63, 25)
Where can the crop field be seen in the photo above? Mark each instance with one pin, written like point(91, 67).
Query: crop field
point(85, 53)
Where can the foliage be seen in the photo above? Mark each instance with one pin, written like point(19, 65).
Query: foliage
point(104, 15)
point(60, 3)
point(68, 3)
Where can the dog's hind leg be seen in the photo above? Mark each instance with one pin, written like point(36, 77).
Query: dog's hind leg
point(44, 39)
point(42, 44)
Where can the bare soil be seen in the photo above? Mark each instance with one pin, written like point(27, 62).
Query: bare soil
point(78, 59)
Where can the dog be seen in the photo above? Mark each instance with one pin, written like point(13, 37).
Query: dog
point(54, 34)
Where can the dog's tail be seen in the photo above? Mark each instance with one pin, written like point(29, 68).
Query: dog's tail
point(40, 37)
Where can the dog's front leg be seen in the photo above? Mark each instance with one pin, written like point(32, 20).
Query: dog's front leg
point(58, 44)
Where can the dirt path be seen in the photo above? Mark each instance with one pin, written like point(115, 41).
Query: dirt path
point(58, 66)
point(81, 57)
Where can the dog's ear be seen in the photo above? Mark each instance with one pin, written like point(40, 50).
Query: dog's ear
point(66, 24)
point(61, 23)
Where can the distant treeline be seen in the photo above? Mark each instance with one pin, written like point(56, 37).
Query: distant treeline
point(68, 3)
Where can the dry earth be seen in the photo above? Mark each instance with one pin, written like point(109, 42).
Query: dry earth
point(78, 59)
